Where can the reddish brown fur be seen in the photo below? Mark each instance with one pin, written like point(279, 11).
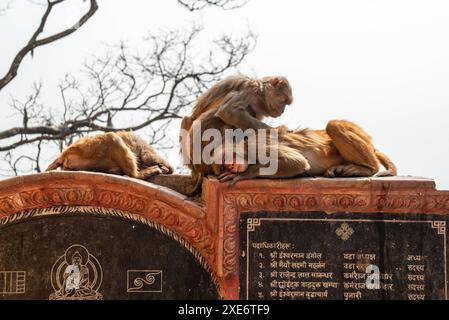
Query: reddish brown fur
point(114, 152)
point(343, 149)
point(236, 102)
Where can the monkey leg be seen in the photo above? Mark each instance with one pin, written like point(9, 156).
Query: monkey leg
point(290, 163)
point(355, 147)
point(149, 158)
point(122, 155)
point(150, 172)
point(348, 170)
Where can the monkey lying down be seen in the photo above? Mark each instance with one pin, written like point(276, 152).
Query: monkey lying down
point(113, 152)
point(342, 150)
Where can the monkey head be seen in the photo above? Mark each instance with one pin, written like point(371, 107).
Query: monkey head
point(73, 161)
point(237, 164)
point(277, 95)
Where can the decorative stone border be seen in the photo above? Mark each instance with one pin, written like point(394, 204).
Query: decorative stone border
point(158, 205)
point(224, 205)
point(212, 231)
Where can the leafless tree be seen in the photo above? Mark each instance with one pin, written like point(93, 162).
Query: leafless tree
point(35, 42)
point(125, 91)
point(193, 5)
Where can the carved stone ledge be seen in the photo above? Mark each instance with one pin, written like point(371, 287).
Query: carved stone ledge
point(213, 230)
point(157, 204)
point(364, 195)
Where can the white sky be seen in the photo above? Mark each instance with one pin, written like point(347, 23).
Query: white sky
point(383, 64)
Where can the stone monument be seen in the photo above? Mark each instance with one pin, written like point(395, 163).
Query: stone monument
point(89, 236)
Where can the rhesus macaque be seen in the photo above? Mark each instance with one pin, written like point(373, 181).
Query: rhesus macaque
point(113, 152)
point(237, 102)
point(342, 150)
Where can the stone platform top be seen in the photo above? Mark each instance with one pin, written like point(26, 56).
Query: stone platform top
point(88, 188)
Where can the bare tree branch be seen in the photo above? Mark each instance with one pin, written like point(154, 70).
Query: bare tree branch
point(123, 90)
point(34, 42)
point(126, 91)
point(194, 5)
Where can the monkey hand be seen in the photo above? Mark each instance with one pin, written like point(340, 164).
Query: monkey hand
point(251, 173)
point(230, 176)
point(164, 169)
point(149, 172)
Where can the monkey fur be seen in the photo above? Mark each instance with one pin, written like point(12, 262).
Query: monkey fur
point(122, 153)
point(342, 150)
point(237, 102)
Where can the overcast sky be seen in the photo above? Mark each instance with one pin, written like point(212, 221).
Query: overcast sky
point(383, 64)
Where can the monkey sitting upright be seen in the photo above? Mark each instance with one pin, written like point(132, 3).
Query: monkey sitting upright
point(113, 152)
point(236, 102)
point(342, 150)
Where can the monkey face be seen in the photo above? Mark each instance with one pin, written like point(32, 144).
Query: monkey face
point(237, 164)
point(278, 96)
point(235, 167)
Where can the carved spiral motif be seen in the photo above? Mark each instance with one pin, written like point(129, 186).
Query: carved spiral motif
point(6, 205)
point(139, 282)
point(244, 201)
point(361, 202)
point(260, 200)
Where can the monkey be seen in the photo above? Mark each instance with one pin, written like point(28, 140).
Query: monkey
point(343, 149)
point(236, 102)
point(121, 153)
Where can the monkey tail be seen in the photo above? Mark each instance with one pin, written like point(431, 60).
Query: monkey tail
point(387, 163)
point(55, 164)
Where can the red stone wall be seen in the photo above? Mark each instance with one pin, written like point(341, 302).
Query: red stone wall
point(212, 228)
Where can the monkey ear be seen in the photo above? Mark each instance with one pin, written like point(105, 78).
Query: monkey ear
point(275, 81)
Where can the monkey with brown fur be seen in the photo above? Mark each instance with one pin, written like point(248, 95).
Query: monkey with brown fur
point(113, 152)
point(235, 102)
point(342, 150)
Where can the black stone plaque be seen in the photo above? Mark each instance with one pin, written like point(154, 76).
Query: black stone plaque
point(303, 255)
point(96, 257)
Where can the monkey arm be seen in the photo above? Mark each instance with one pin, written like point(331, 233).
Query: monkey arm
point(235, 111)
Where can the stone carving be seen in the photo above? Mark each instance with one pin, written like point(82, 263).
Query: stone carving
point(213, 230)
point(12, 282)
point(344, 231)
point(76, 275)
point(166, 208)
point(283, 201)
point(144, 281)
